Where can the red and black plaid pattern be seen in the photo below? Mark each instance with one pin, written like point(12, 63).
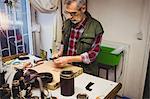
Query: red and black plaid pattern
point(76, 33)
point(74, 36)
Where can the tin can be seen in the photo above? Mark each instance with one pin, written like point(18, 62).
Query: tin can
point(67, 83)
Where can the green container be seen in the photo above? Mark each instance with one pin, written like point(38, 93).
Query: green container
point(106, 57)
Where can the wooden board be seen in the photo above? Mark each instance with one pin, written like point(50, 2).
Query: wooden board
point(48, 66)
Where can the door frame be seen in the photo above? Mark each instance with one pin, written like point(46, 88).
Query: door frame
point(145, 27)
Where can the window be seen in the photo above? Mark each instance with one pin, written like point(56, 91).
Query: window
point(15, 37)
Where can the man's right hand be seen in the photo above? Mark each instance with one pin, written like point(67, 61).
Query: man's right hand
point(56, 55)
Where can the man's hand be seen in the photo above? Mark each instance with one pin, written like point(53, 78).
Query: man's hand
point(62, 61)
point(56, 55)
point(59, 52)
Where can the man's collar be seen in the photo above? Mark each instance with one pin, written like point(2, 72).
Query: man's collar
point(81, 24)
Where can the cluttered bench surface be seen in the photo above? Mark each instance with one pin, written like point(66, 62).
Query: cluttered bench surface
point(99, 88)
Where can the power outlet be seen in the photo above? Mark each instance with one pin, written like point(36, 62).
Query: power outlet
point(139, 36)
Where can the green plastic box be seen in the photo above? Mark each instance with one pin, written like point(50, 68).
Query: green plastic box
point(106, 57)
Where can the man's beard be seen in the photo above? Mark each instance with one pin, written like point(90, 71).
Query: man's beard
point(75, 21)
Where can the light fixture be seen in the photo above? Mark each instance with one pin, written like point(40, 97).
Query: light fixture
point(4, 21)
point(11, 3)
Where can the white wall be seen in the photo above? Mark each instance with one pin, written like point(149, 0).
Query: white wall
point(119, 17)
point(122, 20)
point(47, 23)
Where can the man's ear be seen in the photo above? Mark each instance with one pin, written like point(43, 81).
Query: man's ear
point(83, 8)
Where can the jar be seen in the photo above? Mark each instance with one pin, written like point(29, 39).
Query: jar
point(67, 83)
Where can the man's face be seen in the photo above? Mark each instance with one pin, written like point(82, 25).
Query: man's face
point(74, 14)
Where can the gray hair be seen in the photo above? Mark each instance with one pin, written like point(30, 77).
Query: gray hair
point(80, 3)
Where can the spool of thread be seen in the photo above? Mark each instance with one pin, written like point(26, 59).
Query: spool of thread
point(6, 92)
point(22, 83)
point(15, 89)
point(67, 83)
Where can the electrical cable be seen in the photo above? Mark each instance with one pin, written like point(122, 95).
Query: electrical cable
point(122, 65)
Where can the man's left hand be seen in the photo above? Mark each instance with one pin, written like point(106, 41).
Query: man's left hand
point(62, 61)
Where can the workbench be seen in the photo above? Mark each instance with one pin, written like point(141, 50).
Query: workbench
point(101, 89)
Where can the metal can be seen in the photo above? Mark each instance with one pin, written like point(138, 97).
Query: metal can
point(15, 89)
point(67, 83)
point(5, 92)
point(82, 96)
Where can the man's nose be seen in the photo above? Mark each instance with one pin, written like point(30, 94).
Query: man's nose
point(69, 17)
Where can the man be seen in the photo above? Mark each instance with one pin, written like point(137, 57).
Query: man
point(80, 39)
